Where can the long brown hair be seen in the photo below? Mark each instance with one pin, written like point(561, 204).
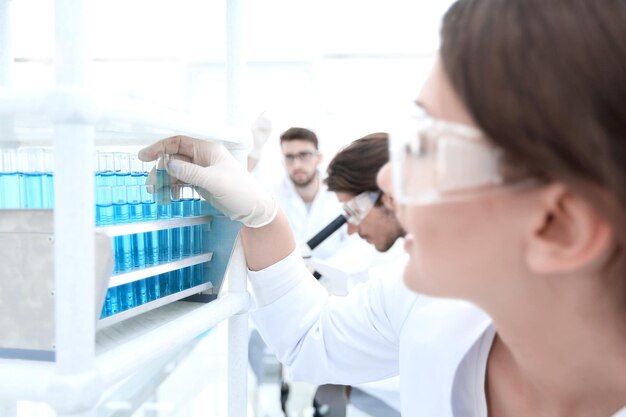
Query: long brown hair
point(546, 81)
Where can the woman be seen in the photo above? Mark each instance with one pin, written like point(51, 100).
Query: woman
point(513, 193)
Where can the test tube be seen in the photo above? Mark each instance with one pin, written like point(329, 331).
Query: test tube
point(31, 185)
point(121, 161)
point(176, 278)
point(104, 217)
point(135, 211)
point(137, 244)
point(105, 175)
point(164, 211)
point(48, 179)
point(150, 240)
point(9, 178)
point(187, 234)
point(150, 214)
point(197, 271)
point(136, 170)
point(122, 245)
point(163, 180)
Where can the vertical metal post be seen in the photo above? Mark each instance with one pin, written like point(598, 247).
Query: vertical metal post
point(74, 265)
point(237, 338)
point(235, 61)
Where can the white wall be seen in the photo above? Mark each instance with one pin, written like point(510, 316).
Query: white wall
point(336, 67)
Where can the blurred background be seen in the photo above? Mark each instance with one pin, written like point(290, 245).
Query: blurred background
point(340, 68)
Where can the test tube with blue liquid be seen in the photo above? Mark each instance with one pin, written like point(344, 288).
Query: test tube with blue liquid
point(122, 168)
point(105, 175)
point(150, 239)
point(137, 244)
point(137, 172)
point(104, 217)
point(197, 271)
point(31, 180)
point(176, 278)
point(164, 211)
point(48, 179)
point(9, 178)
point(187, 233)
point(122, 246)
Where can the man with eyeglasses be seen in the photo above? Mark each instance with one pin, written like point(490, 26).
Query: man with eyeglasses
point(300, 193)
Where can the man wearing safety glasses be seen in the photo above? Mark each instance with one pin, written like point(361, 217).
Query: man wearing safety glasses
point(352, 176)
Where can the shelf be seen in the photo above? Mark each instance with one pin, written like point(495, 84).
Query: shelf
point(126, 277)
point(143, 227)
point(117, 120)
point(152, 305)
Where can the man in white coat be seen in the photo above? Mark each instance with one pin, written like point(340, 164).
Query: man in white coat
point(301, 194)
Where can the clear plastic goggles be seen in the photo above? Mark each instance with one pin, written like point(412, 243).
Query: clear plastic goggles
point(434, 160)
point(357, 208)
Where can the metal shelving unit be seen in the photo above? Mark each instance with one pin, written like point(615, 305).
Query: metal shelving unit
point(90, 357)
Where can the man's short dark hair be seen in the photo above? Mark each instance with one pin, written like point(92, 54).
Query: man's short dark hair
point(353, 170)
point(299, 133)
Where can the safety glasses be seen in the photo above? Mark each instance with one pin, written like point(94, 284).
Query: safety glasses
point(435, 161)
point(357, 208)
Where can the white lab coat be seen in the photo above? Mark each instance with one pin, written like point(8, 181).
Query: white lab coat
point(307, 223)
point(379, 329)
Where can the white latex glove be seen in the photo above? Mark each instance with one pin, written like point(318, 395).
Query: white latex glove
point(220, 179)
point(261, 130)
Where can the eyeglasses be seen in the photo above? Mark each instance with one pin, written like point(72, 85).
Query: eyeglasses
point(435, 160)
point(304, 156)
point(357, 208)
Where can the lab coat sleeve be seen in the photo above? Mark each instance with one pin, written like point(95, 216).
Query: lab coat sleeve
point(322, 339)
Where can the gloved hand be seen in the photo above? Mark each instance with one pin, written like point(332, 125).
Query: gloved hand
point(219, 178)
point(261, 130)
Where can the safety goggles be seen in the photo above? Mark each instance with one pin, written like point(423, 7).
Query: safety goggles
point(434, 161)
point(357, 208)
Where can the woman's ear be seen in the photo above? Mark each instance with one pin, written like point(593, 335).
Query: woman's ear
point(388, 201)
point(566, 234)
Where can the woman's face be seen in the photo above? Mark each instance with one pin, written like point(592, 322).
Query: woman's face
point(459, 249)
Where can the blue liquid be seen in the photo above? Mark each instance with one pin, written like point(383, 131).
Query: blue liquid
point(177, 211)
point(176, 281)
point(164, 285)
point(138, 253)
point(175, 277)
point(126, 296)
point(104, 215)
point(123, 260)
point(105, 178)
point(136, 179)
point(151, 239)
point(122, 178)
point(186, 278)
point(163, 196)
point(10, 190)
point(187, 234)
point(153, 288)
point(32, 189)
point(165, 243)
point(137, 249)
point(197, 275)
point(141, 291)
point(48, 190)
point(110, 303)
